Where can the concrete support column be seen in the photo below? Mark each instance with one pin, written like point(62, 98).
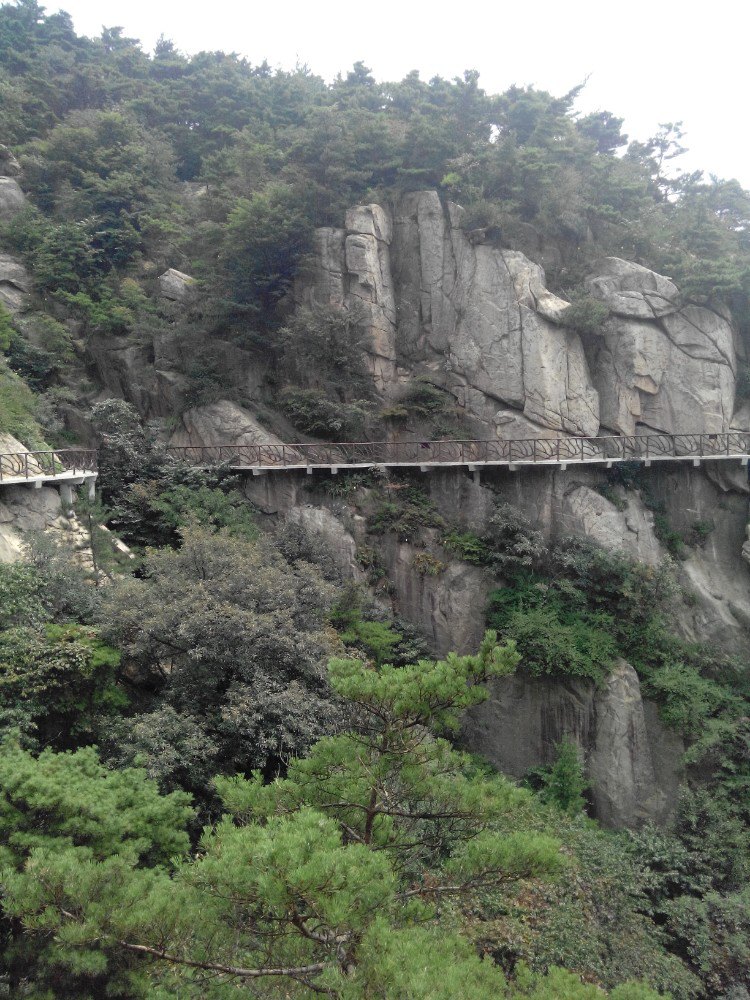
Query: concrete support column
point(66, 497)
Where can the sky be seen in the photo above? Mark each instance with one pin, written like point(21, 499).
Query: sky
point(647, 62)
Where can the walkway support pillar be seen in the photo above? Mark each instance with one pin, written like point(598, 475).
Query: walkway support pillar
point(66, 497)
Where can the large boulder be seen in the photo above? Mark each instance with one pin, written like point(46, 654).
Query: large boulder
point(9, 165)
point(524, 719)
point(220, 423)
point(627, 527)
point(15, 283)
point(620, 766)
point(631, 290)
point(659, 365)
point(12, 199)
point(338, 543)
point(176, 286)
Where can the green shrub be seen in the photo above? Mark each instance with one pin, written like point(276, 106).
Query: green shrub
point(563, 783)
point(468, 546)
point(514, 544)
point(688, 700)
point(313, 412)
point(18, 407)
point(407, 510)
point(553, 644)
point(35, 365)
point(428, 565)
point(6, 328)
point(608, 491)
point(698, 533)
point(585, 315)
point(324, 348)
point(423, 399)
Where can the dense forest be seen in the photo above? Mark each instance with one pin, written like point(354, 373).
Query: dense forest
point(226, 770)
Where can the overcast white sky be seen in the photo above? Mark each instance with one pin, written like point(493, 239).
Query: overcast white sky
point(648, 62)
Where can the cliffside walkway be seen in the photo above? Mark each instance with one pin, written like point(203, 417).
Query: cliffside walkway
point(474, 455)
point(65, 468)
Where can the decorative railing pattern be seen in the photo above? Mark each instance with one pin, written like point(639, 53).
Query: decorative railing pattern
point(557, 451)
point(35, 464)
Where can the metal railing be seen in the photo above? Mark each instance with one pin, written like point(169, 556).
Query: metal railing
point(557, 451)
point(36, 464)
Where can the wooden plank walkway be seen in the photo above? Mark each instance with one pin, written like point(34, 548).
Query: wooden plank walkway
point(558, 452)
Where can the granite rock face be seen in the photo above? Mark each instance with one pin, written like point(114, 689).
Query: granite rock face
point(175, 285)
point(448, 608)
point(483, 319)
point(633, 291)
point(9, 165)
point(620, 767)
point(220, 423)
point(524, 719)
point(627, 527)
point(660, 365)
point(633, 762)
point(12, 198)
point(15, 283)
point(339, 544)
point(480, 322)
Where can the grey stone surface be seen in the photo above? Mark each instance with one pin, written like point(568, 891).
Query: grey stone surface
point(12, 199)
point(23, 509)
point(518, 727)
point(15, 283)
point(587, 514)
point(479, 320)
point(340, 546)
point(620, 765)
point(176, 285)
point(9, 165)
point(631, 290)
point(32, 509)
point(371, 220)
point(322, 277)
point(220, 423)
point(714, 575)
point(448, 608)
point(658, 365)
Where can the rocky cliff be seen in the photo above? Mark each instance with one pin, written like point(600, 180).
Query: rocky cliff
point(477, 321)
point(480, 322)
